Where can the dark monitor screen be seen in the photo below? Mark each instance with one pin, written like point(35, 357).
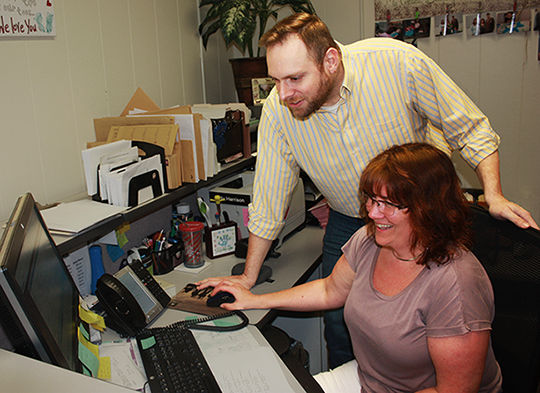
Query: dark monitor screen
point(38, 298)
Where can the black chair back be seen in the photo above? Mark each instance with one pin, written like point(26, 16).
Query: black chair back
point(511, 257)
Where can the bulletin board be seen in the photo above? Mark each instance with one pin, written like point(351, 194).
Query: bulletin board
point(27, 18)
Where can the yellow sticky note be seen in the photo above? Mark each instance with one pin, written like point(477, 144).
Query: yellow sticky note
point(122, 229)
point(91, 318)
point(122, 239)
point(91, 347)
point(104, 368)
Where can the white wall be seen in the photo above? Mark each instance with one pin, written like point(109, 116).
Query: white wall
point(52, 88)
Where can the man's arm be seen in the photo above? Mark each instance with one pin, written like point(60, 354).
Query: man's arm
point(257, 250)
point(499, 207)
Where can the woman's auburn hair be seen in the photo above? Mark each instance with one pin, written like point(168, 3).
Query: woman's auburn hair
point(423, 179)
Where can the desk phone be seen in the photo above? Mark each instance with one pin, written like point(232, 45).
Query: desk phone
point(132, 298)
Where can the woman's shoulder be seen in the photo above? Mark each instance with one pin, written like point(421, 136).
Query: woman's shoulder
point(360, 247)
point(463, 272)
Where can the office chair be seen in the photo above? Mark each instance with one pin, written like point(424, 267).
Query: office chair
point(511, 257)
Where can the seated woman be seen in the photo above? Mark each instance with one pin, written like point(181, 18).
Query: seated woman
point(418, 304)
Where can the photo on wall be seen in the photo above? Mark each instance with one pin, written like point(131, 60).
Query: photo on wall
point(391, 29)
point(509, 22)
point(481, 23)
point(448, 24)
point(416, 28)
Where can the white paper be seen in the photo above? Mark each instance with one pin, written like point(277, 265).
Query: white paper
point(73, 217)
point(91, 158)
point(256, 368)
point(112, 161)
point(124, 370)
point(78, 264)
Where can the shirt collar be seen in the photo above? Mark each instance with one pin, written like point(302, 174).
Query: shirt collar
point(348, 77)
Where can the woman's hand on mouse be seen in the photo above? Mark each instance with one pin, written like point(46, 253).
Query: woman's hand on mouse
point(245, 300)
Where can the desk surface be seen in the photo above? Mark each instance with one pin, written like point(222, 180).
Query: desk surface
point(300, 255)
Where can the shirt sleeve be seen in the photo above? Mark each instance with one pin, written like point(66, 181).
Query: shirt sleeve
point(275, 178)
point(455, 122)
point(461, 300)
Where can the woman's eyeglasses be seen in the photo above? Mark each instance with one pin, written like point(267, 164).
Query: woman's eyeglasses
point(383, 206)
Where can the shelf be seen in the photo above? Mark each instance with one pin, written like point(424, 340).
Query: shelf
point(67, 244)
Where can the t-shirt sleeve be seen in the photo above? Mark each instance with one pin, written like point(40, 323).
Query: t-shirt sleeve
point(461, 299)
point(359, 248)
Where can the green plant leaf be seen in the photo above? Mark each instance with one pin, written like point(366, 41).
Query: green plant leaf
point(233, 21)
point(209, 31)
point(237, 19)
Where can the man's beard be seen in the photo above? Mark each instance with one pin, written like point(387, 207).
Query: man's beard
point(323, 92)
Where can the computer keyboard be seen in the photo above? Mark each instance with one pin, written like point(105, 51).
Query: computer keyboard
point(174, 362)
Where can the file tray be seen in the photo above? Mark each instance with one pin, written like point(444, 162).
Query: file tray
point(231, 137)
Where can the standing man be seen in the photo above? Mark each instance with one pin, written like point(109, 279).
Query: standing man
point(333, 109)
point(490, 23)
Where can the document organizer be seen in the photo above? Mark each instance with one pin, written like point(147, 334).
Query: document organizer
point(142, 181)
point(150, 179)
point(230, 137)
point(150, 150)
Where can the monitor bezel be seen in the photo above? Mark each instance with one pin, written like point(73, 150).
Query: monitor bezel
point(22, 321)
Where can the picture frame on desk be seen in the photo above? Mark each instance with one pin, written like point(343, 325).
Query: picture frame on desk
point(261, 87)
point(221, 239)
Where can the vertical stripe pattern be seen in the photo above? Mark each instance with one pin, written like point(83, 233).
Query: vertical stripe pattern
point(392, 94)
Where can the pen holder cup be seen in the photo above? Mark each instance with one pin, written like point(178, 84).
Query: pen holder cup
point(192, 236)
point(164, 261)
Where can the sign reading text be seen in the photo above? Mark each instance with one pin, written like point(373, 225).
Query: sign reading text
point(26, 18)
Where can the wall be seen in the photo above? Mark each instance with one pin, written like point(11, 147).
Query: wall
point(500, 73)
point(52, 88)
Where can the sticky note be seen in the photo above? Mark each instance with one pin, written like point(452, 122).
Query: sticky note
point(104, 368)
point(228, 321)
point(115, 252)
point(92, 318)
point(89, 359)
point(148, 342)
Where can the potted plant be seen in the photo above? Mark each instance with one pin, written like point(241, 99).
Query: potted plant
point(237, 20)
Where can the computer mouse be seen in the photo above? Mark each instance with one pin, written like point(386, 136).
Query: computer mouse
point(219, 298)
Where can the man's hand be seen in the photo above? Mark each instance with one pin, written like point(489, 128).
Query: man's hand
point(503, 209)
point(242, 280)
point(500, 207)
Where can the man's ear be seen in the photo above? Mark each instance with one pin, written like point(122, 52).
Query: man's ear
point(332, 60)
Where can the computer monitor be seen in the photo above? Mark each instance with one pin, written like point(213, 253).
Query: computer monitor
point(38, 298)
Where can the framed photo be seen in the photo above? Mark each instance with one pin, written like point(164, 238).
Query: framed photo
point(261, 88)
point(221, 240)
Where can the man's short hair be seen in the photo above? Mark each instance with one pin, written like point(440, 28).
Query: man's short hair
point(309, 28)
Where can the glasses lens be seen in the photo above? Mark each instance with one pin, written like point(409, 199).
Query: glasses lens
point(383, 206)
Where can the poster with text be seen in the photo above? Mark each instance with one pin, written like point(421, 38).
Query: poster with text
point(27, 18)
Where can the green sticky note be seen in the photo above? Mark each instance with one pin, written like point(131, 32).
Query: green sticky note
point(148, 342)
point(228, 321)
point(84, 331)
point(122, 239)
point(88, 359)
